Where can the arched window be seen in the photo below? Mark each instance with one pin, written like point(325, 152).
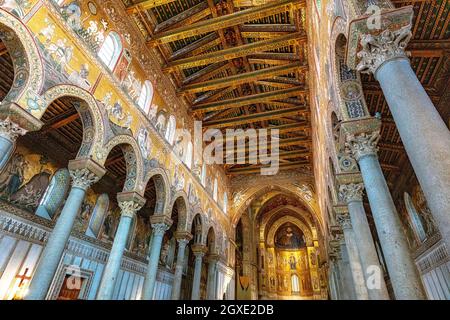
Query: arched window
point(189, 155)
point(203, 177)
point(110, 50)
point(160, 123)
point(225, 203)
point(54, 195)
point(216, 189)
point(414, 216)
point(98, 216)
point(171, 128)
point(146, 96)
point(295, 284)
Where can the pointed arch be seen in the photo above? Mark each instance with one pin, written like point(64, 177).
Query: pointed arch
point(196, 227)
point(90, 114)
point(162, 185)
point(181, 201)
point(133, 159)
point(29, 71)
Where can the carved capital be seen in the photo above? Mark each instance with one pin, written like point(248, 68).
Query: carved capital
point(379, 49)
point(199, 250)
point(351, 192)
point(183, 237)
point(160, 228)
point(344, 221)
point(129, 208)
point(85, 172)
point(83, 178)
point(362, 144)
point(160, 224)
point(213, 258)
point(10, 130)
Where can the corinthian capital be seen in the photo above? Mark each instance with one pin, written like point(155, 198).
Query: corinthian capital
point(363, 144)
point(11, 130)
point(377, 50)
point(351, 192)
point(129, 208)
point(344, 221)
point(83, 178)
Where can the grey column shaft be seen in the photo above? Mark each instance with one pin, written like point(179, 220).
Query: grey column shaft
point(197, 278)
point(367, 252)
point(178, 277)
point(348, 288)
point(355, 265)
point(401, 268)
point(424, 134)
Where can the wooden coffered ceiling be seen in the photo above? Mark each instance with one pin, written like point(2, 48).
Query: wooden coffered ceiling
point(430, 58)
point(238, 64)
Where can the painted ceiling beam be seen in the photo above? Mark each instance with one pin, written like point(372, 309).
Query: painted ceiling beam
point(285, 155)
point(147, 4)
point(257, 168)
point(226, 21)
point(189, 16)
point(243, 78)
point(206, 73)
point(235, 52)
point(256, 117)
point(268, 28)
point(283, 143)
point(195, 45)
point(248, 100)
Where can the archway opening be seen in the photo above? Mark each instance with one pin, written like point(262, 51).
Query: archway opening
point(7, 74)
point(39, 155)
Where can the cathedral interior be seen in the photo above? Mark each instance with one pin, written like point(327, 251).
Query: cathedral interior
point(118, 182)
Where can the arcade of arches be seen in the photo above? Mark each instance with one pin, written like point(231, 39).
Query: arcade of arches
point(105, 189)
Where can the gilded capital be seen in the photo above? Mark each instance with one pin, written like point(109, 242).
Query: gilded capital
point(363, 144)
point(351, 192)
point(379, 49)
point(10, 130)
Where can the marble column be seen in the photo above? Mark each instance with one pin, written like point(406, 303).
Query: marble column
point(183, 239)
point(212, 270)
point(423, 131)
point(9, 132)
point(84, 173)
point(348, 288)
point(130, 203)
point(160, 224)
point(352, 195)
point(199, 252)
point(401, 268)
point(354, 259)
